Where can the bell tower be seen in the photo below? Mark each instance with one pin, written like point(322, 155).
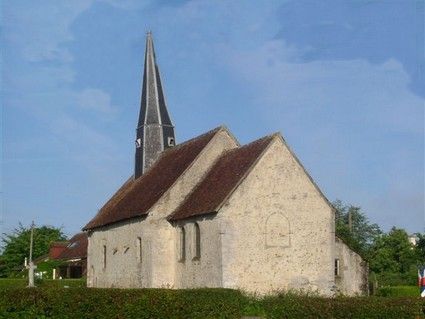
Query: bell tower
point(155, 131)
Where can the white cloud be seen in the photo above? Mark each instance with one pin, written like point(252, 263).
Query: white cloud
point(38, 31)
point(361, 124)
point(95, 100)
point(335, 113)
point(127, 4)
point(37, 35)
point(369, 94)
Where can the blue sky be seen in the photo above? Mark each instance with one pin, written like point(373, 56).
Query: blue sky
point(342, 80)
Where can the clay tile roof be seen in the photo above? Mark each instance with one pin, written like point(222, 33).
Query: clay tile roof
point(77, 247)
point(136, 197)
point(221, 180)
point(59, 244)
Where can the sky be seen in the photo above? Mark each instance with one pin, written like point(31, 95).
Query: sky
point(343, 81)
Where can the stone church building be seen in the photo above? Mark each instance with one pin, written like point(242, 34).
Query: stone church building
point(210, 212)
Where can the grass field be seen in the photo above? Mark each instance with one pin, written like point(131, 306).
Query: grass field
point(62, 283)
point(399, 291)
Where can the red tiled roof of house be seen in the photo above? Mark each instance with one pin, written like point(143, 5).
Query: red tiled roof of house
point(136, 197)
point(76, 248)
point(221, 180)
point(56, 248)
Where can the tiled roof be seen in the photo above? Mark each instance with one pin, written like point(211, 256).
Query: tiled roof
point(56, 248)
point(221, 180)
point(77, 247)
point(136, 197)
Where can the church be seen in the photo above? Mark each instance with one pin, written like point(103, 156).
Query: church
point(209, 212)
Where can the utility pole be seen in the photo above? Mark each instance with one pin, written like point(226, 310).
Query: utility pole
point(350, 221)
point(31, 267)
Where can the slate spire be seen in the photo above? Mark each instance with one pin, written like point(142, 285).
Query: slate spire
point(155, 131)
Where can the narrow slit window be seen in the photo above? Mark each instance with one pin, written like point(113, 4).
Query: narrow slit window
point(139, 249)
point(104, 256)
point(182, 244)
point(197, 241)
point(337, 270)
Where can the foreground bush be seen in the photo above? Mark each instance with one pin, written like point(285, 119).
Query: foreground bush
point(343, 307)
point(399, 291)
point(194, 303)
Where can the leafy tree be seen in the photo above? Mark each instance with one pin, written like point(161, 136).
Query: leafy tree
point(394, 246)
point(362, 234)
point(420, 247)
point(16, 246)
point(394, 258)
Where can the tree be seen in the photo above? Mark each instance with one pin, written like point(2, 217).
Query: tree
point(362, 234)
point(394, 259)
point(420, 247)
point(391, 257)
point(16, 246)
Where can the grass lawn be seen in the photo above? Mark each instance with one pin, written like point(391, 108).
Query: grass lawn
point(59, 283)
point(399, 291)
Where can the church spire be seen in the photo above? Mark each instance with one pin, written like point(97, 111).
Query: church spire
point(155, 131)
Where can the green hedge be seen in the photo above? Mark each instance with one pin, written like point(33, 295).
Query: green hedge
point(195, 303)
point(399, 291)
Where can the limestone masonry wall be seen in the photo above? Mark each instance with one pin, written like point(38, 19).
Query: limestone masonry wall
point(205, 271)
point(157, 265)
point(276, 231)
point(353, 270)
point(279, 230)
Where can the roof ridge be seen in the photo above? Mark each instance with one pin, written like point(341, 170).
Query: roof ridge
point(307, 173)
point(120, 194)
point(215, 130)
point(269, 139)
point(266, 139)
point(270, 136)
point(191, 140)
point(197, 144)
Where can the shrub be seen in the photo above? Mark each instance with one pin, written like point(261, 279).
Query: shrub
point(117, 303)
point(195, 303)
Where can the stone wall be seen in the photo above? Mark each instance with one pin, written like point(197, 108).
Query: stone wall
point(352, 276)
point(275, 232)
point(157, 266)
point(279, 229)
point(192, 272)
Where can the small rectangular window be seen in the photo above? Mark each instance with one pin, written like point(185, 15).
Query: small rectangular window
point(337, 270)
point(197, 242)
point(139, 249)
point(104, 256)
point(182, 244)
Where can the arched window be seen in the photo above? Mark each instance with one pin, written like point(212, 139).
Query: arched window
point(139, 249)
point(182, 244)
point(197, 241)
point(277, 231)
point(104, 256)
